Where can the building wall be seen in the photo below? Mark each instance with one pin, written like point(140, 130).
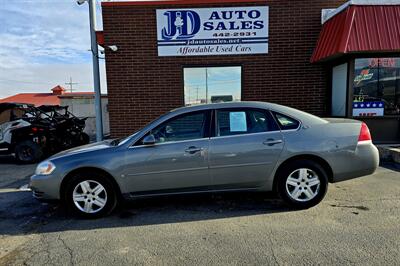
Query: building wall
point(85, 107)
point(141, 85)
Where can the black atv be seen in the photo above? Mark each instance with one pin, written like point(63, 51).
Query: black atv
point(32, 133)
point(69, 128)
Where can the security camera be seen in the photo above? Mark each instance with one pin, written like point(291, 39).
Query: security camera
point(113, 48)
point(80, 2)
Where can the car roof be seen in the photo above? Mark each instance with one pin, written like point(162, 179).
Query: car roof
point(251, 104)
point(295, 113)
point(304, 117)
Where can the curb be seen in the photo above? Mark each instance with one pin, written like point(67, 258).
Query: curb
point(389, 153)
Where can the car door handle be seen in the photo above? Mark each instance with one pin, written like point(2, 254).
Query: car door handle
point(272, 142)
point(193, 150)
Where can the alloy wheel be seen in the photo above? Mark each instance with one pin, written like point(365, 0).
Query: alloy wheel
point(89, 196)
point(303, 185)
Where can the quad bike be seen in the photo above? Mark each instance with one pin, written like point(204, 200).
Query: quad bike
point(31, 133)
point(69, 128)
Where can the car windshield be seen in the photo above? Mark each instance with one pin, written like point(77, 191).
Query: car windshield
point(122, 141)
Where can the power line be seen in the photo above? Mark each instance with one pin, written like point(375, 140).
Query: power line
point(34, 82)
point(27, 82)
point(212, 82)
point(70, 83)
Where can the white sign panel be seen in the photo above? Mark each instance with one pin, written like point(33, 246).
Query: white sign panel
point(368, 108)
point(212, 31)
point(237, 121)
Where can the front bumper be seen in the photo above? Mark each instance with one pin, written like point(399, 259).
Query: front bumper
point(45, 187)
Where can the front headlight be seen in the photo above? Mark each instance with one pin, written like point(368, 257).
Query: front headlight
point(45, 168)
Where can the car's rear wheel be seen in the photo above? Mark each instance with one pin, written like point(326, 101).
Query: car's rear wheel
point(90, 195)
point(302, 184)
point(28, 151)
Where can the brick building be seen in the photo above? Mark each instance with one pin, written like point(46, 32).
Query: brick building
point(262, 50)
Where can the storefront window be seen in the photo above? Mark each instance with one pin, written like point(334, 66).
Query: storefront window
point(376, 87)
point(212, 84)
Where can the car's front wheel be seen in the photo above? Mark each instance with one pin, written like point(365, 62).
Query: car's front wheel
point(302, 184)
point(90, 195)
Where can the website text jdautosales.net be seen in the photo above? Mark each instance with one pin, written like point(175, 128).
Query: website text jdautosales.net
point(211, 41)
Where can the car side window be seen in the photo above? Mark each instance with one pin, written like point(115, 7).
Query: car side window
point(286, 122)
point(244, 121)
point(184, 127)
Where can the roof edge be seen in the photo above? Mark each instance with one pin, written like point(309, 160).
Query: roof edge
point(328, 15)
point(172, 2)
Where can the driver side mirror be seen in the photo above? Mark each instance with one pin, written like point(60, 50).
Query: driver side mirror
point(149, 140)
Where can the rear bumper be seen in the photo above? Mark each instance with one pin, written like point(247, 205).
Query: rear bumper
point(364, 161)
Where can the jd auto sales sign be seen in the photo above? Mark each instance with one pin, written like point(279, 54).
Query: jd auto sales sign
point(212, 31)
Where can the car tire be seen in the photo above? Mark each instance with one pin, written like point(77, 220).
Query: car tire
point(90, 195)
point(28, 151)
point(302, 184)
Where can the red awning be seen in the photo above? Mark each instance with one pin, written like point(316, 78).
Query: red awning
point(374, 28)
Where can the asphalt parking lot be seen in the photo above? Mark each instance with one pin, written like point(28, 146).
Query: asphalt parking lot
point(357, 224)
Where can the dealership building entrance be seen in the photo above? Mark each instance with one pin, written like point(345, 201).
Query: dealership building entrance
point(329, 58)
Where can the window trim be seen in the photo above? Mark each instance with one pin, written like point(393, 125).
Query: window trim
point(245, 109)
point(206, 133)
point(243, 135)
point(273, 113)
point(165, 143)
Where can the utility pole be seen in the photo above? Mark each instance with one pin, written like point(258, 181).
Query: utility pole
point(70, 83)
point(96, 72)
point(206, 85)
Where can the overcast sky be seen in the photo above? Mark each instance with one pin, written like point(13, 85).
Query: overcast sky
point(43, 44)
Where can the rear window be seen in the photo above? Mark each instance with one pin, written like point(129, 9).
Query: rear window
point(244, 121)
point(286, 122)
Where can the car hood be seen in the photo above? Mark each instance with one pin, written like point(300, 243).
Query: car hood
point(83, 149)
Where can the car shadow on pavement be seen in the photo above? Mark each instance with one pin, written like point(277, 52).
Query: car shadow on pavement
point(28, 216)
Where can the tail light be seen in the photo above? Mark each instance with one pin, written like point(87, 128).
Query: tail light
point(365, 135)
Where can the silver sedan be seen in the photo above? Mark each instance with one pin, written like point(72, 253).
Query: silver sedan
point(253, 146)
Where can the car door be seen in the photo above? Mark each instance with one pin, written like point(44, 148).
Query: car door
point(178, 160)
point(245, 148)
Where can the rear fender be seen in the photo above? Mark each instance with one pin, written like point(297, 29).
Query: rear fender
point(335, 142)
